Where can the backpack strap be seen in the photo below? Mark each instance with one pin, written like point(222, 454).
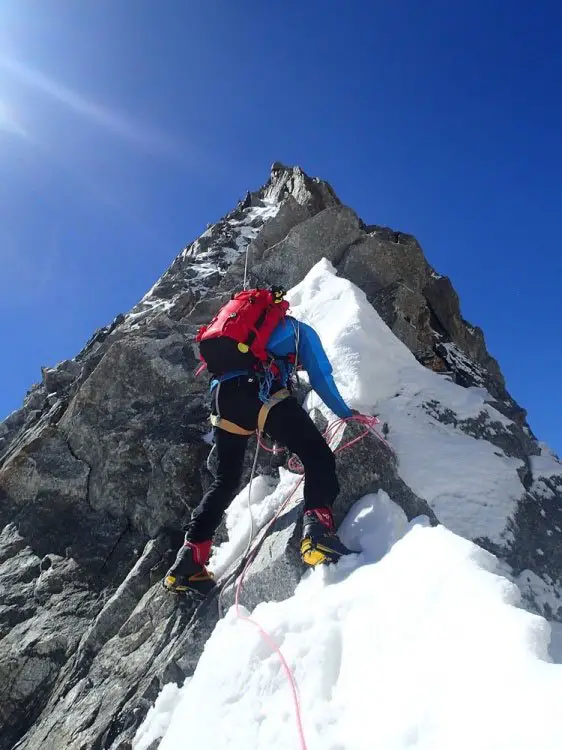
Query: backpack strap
point(227, 376)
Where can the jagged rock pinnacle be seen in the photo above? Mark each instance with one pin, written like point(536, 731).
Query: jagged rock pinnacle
point(105, 460)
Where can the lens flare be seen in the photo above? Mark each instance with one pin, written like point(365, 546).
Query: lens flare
point(9, 121)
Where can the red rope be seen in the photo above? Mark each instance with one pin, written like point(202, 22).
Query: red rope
point(369, 423)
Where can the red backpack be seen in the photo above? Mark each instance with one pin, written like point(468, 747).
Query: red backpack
point(236, 337)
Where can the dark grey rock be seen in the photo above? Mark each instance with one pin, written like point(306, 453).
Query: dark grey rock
point(445, 305)
point(136, 423)
point(291, 213)
point(511, 439)
point(285, 182)
point(406, 313)
point(537, 531)
point(328, 234)
point(377, 260)
point(106, 459)
point(59, 378)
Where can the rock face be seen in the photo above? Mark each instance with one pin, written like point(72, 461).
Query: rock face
point(106, 459)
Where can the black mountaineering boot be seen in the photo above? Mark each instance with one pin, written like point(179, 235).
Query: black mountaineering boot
point(320, 543)
point(188, 574)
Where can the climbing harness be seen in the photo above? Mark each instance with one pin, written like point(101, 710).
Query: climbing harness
point(272, 401)
point(225, 424)
point(228, 426)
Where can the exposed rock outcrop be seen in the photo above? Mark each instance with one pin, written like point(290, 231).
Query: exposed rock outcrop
point(106, 458)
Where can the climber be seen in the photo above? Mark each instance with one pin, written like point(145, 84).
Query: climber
point(260, 397)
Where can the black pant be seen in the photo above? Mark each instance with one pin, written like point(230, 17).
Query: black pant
point(287, 423)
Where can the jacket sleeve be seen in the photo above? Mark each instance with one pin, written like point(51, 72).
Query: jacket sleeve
point(315, 361)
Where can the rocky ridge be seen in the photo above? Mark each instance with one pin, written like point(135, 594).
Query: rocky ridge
point(106, 458)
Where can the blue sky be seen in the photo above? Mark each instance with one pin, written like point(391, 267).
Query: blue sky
point(125, 127)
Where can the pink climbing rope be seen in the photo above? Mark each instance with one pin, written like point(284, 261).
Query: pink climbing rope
point(369, 422)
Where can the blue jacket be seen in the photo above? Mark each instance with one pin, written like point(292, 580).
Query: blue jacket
point(311, 356)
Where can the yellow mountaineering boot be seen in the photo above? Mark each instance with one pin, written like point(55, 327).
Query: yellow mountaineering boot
point(320, 543)
point(188, 574)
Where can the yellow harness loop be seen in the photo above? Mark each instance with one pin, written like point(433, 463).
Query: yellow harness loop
point(268, 406)
point(228, 426)
point(235, 429)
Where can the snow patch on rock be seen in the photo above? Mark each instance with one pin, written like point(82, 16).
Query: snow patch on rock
point(204, 262)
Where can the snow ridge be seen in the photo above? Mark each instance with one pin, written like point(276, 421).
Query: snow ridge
point(420, 641)
point(394, 649)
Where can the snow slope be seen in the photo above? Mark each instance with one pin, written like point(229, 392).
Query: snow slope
point(417, 643)
point(421, 650)
point(470, 484)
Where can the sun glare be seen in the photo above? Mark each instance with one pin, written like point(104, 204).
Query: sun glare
point(8, 120)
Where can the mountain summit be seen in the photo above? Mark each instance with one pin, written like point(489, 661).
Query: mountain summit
point(459, 504)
